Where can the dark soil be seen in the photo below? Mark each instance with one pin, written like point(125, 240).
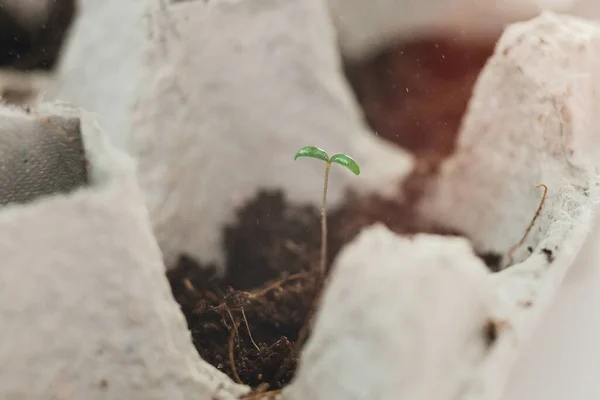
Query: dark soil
point(274, 244)
point(414, 95)
point(267, 298)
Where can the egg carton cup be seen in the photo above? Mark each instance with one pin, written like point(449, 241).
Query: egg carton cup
point(85, 306)
point(223, 93)
point(401, 313)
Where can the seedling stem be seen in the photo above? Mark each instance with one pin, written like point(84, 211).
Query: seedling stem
point(323, 263)
point(342, 159)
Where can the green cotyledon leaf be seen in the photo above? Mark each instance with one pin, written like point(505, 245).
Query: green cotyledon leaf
point(313, 152)
point(347, 162)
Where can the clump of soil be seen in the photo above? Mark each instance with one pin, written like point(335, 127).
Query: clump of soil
point(263, 301)
point(247, 322)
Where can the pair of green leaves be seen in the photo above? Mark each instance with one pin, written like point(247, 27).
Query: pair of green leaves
point(342, 159)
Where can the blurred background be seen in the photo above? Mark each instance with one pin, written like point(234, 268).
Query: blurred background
point(412, 64)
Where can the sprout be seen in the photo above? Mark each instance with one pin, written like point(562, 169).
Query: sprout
point(342, 159)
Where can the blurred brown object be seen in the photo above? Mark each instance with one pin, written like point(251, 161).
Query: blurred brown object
point(415, 93)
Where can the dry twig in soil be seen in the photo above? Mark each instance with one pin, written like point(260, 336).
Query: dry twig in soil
point(535, 217)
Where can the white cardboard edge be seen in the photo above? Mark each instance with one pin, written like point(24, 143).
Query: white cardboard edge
point(110, 171)
point(534, 280)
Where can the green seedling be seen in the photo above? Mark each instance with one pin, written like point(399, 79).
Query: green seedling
point(342, 159)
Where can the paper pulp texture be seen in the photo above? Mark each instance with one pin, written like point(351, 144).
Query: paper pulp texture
point(106, 80)
point(561, 358)
point(85, 306)
point(399, 314)
point(531, 120)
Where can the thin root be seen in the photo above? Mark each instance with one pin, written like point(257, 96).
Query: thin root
point(248, 328)
point(232, 321)
point(277, 284)
point(231, 358)
point(232, 334)
point(535, 217)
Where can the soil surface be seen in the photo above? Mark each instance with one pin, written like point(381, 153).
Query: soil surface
point(262, 302)
point(248, 322)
